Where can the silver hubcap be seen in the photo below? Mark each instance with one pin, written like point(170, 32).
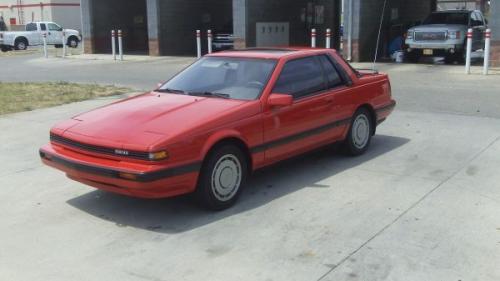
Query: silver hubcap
point(72, 43)
point(21, 46)
point(361, 131)
point(226, 177)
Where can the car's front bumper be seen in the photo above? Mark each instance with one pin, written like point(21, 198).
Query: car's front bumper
point(133, 179)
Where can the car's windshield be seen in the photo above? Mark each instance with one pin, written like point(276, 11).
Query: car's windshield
point(236, 78)
point(448, 18)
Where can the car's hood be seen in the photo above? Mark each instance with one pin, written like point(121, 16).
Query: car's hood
point(147, 119)
point(438, 27)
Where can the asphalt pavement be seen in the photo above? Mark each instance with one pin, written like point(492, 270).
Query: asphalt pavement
point(422, 204)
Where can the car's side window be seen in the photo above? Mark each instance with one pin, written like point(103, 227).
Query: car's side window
point(480, 18)
point(31, 27)
point(43, 27)
point(332, 75)
point(301, 77)
point(53, 27)
point(474, 20)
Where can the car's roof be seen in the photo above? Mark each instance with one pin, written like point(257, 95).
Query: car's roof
point(268, 53)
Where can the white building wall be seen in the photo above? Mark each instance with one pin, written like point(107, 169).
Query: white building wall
point(64, 12)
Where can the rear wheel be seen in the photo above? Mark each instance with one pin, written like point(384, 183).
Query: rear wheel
point(222, 177)
point(73, 42)
point(360, 133)
point(21, 44)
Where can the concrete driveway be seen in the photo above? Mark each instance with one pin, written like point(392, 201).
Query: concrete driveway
point(422, 204)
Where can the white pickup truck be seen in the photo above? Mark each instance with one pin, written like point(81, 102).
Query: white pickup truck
point(33, 36)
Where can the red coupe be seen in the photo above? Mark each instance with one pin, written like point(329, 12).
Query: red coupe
point(226, 115)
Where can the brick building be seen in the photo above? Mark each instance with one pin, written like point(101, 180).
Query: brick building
point(167, 27)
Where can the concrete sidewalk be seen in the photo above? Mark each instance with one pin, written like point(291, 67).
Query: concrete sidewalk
point(422, 204)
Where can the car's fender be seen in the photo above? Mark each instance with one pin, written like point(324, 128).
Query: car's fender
point(219, 136)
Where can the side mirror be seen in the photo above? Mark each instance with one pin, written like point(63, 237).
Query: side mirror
point(280, 100)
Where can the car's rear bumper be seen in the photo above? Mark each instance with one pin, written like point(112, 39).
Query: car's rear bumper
point(137, 180)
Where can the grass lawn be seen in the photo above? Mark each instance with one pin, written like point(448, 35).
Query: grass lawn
point(16, 97)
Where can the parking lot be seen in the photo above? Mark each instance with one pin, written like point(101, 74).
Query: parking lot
point(422, 204)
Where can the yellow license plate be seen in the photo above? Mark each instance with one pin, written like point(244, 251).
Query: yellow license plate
point(428, 52)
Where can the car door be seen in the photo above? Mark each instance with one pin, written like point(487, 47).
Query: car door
point(306, 123)
point(35, 37)
point(477, 25)
point(54, 35)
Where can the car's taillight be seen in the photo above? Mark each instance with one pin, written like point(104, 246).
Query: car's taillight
point(409, 35)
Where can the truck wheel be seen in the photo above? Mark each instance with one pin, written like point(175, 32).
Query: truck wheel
point(5, 49)
point(222, 177)
point(412, 57)
point(360, 133)
point(73, 42)
point(21, 44)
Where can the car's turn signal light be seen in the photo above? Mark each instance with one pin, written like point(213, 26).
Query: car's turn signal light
point(160, 155)
point(128, 176)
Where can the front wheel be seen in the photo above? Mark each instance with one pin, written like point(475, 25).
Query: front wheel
point(360, 133)
point(222, 177)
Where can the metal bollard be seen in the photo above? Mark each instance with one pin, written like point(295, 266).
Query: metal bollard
point(113, 44)
point(313, 38)
point(469, 51)
point(44, 38)
point(328, 38)
point(198, 43)
point(120, 44)
point(64, 44)
point(487, 46)
point(209, 37)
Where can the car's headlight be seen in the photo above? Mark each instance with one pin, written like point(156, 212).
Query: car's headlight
point(409, 34)
point(455, 34)
point(160, 155)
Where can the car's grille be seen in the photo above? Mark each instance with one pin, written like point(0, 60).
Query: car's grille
point(98, 149)
point(430, 36)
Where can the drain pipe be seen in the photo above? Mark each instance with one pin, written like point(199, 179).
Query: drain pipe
point(349, 34)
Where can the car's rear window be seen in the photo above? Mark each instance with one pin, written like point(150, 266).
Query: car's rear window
point(448, 18)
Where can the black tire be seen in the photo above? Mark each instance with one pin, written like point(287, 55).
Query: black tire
point(353, 145)
point(224, 170)
point(460, 57)
point(412, 57)
point(449, 58)
point(21, 44)
point(5, 48)
point(73, 42)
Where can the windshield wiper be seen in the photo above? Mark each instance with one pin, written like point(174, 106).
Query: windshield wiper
point(174, 91)
point(210, 94)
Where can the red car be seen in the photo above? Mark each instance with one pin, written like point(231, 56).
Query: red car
point(226, 115)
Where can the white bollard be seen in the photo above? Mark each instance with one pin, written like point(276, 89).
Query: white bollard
point(44, 38)
point(209, 37)
point(328, 38)
point(469, 51)
point(313, 38)
point(64, 44)
point(113, 44)
point(198, 43)
point(487, 46)
point(120, 44)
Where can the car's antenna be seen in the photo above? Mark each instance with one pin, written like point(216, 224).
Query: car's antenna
point(378, 37)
